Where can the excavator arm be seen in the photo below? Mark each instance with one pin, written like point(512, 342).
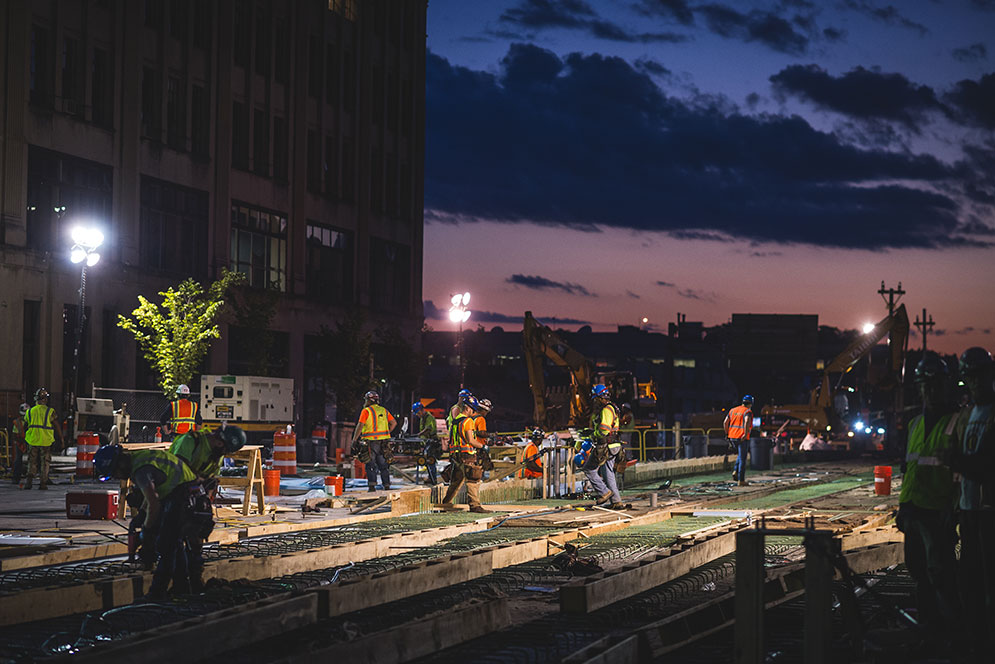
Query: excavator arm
point(540, 342)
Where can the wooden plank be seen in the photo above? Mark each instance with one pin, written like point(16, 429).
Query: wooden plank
point(200, 637)
point(864, 538)
point(417, 639)
point(609, 650)
point(60, 556)
point(611, 586)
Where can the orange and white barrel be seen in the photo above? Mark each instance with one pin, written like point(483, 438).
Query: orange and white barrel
point(86, 446)
point(285, 453)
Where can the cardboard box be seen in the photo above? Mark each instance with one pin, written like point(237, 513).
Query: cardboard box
point(92, 503)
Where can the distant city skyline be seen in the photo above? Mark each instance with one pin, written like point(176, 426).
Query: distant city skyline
point(601, 162)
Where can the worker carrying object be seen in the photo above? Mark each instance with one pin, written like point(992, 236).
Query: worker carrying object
point(926, 508)
point(431, 446)
point(465, 451)
point(599, 466)
point(41, 429)
point(374, 427)
point(182, 415)
point(738, 425)
point(170, 491)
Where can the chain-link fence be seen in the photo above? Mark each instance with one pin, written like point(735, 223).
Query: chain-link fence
point(145, 407)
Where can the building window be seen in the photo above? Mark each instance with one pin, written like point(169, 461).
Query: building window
point(176, 114)
point(173, 228)
point(103, 89)
point(72, 90)
point(390, 276)
point(331, 75)
point(259, 246)
point(153, 13)
point(282, 51)
point(329, 264)
point(314, 67)
point(260, 143)
point(151, 104)
point(41, 67)
point(58, 180)
point(241, 26)
point(331, 168)
point(280, 149)
point(178, 19)
point(200, 127)
point(313, 161)
point(255, 352)
point(262, 41)
point(203, 22)
point(239, 136)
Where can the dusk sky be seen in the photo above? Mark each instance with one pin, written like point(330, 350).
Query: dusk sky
point(604, 160)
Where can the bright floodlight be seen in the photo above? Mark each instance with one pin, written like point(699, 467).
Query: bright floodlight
point(455, 315)
point(868, 328)
point(91, 259)
point(466, 299)
point(466, 316)
point(78, 254)
point(87, 237)
point(456, 299)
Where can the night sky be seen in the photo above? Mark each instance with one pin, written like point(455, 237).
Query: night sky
point(600, 161)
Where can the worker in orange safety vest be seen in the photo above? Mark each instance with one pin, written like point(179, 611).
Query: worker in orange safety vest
point(738, 424)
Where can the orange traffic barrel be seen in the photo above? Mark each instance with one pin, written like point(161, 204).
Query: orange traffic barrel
point(285, 453)
point(334, 485)
point(271, 482)
point(882, 480)
point(86, 446)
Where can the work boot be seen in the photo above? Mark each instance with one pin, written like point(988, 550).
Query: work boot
point(617, 506)
point(742, 483)
point(735, 476)
point(478, 509)
point(42, 486)
point(26, 485)
point(603, 499)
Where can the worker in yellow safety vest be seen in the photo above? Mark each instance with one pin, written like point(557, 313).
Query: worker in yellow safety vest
point(374, 427)
point(465, 453)
point(738, 424)
point(599, 469)
point(41, 429)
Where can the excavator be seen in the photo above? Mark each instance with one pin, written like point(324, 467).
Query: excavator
point(820, 415)
point(540, 342)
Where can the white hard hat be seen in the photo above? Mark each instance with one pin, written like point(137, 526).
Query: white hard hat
point(182, 389)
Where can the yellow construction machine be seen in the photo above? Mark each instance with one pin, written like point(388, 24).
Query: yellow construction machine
point(540, 342)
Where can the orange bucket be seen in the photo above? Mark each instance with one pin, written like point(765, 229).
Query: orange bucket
point(359, 469)
point(339, 454)
point(882, 480)
point(334, 485)
point(271, 482)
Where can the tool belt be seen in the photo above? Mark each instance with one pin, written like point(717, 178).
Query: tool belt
point(199, 516)
point(621, 462)
point(361, 450)
point(473, 469)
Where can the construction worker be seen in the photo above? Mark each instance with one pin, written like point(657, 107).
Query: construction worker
point(738, 424)
point(168, 487)
point(427, 431)
point(41, 429)
point(925, 506)
point(531, 457)
point(464, 453)
point(202, 451)
point(374, 426)
point(604, 425)
point(974, 460)
point(463, 397)
point(182, 415)
point(18, 446)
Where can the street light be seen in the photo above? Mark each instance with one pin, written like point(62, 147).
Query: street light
point(86, 241)
point(458, 313)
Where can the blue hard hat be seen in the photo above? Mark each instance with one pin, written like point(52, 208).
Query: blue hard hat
point(416, 407)
point(747, 398)
point(104, 460)
point(472, 402)
point(600, 392)
point(464, 394)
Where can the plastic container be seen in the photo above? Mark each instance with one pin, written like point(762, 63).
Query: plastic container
point(339, 454)
point(271, 482)
point(320, 451)
point(285, 453)
point(761, 453)
point(334, 484)
point(882, 480)
point(305, 451)
point(92, 503)
point(695, 446)
point(86, 446)
point(359, 469)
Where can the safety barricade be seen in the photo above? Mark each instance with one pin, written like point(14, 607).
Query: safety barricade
point(285, 453)
point(86, 446)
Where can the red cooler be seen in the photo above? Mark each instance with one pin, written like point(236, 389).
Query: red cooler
point(92, 503)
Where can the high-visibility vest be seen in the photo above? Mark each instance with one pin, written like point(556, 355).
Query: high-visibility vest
point(172, 467)
point(39, 430)
point(530, 451)
point(428, 428)
point(605, 424)
point(195, 450)
point(927, 482)
point(458, 440)
point(740, 423)
point(184, 416)
point(376, 426)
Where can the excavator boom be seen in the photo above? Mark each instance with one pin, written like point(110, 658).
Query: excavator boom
point(540, 342)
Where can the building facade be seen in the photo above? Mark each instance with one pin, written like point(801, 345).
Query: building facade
point(283, 140)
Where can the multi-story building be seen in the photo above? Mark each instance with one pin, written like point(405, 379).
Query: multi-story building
point(283, 140)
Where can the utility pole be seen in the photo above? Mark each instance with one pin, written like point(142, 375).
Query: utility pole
point(925, 326)
point(893, 296)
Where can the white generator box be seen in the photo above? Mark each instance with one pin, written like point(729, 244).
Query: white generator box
point(247, 398)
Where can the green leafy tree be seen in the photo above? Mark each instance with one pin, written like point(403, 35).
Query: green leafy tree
point(175, 335)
